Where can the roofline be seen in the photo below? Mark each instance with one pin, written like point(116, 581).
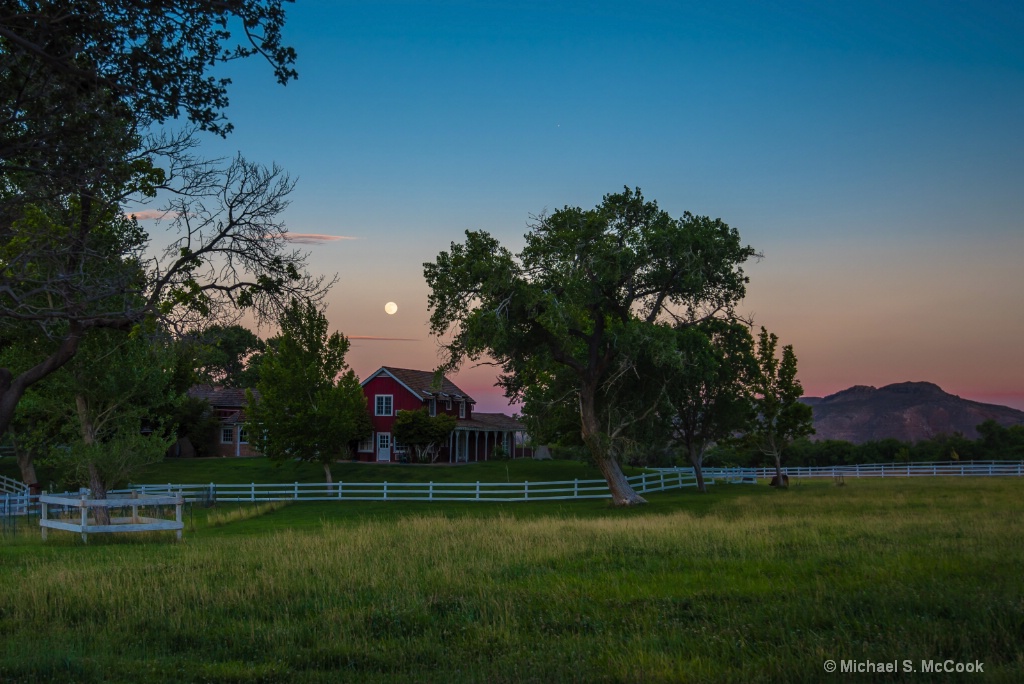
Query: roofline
point(384, 370)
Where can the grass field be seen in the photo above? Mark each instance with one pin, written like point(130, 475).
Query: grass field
point(744, 584)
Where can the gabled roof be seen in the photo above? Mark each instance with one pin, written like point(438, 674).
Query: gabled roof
point(491, 421)
point(421, 384)
point(231, 397)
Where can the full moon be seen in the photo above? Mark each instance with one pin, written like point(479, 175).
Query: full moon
point(390, 308)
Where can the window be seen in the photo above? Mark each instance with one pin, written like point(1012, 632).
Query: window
point(383, 405)
point(433, 407)
point(448, 404)
point(366, 445)
point(227, 435)
point(462, 409)
point(401, 449)
point(243, 436)
point(383, 440)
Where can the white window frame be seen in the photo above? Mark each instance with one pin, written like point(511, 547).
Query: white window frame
point(448, 404)
point(384, 441)
point(462, 409)
point(377, 398)
point(366, 445)
point(433, 407)
point(243, 436)
point(227, 431)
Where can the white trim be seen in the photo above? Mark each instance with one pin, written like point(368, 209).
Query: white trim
point(384, 371)
point(365, 446)
point(377, 404)
point(384, 445)
point(462, 409)
point(224, 431)
point(432, 407)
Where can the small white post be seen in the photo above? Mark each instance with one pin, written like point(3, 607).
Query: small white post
point(85, 521)
point(252, 491)
point(430, 494)
point(478, 490)
point(526, 489)
point(42, 515)
point(339, 490)
point(295, 495)
point(576, 488)
point(177, 513)
point(385, 490)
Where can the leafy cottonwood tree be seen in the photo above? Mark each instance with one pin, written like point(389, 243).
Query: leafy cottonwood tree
point(780, 416)
point(81, 82)
point(423, 432)
point(117, 387)
point(310, 405)
point(706, 393)
point(229, 356)
point(570, 301)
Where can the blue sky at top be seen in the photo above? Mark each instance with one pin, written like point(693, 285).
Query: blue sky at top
point(873, 151)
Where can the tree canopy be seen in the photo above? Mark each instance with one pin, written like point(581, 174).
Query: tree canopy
point(82, 85)
point(310, 405)
point(574, 302)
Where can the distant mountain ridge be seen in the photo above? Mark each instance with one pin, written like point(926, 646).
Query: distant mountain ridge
point(907, 411)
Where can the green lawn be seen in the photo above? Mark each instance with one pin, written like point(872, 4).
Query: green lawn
point(744, 584)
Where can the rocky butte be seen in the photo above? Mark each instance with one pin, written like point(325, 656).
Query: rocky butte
point(907, 411)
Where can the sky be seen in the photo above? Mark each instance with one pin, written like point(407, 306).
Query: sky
point(873, 152)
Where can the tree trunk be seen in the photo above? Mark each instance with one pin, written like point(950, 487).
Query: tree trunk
point(28, 471)
point(778, 471)
point(12, 389)
point(697, 461)
point(98, 490)
point(622, 492)
point(327, 472)
point(97, 487)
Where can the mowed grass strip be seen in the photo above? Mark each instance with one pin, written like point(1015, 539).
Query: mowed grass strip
point(745, 584)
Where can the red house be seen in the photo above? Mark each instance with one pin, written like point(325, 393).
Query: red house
point(228, 405)
point(476, 436)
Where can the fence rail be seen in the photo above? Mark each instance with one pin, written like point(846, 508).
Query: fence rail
point(930, 469)
point(420, 491)
point(661, 479)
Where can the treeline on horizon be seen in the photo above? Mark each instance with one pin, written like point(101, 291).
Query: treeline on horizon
point(995, 442)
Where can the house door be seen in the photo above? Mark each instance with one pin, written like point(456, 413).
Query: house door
point(383, 446)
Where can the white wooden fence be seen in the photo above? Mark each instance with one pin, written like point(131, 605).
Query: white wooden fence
point(81, 523)
point(420, 491)
point(931, 469)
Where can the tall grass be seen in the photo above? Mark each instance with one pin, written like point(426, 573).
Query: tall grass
point(743, 585)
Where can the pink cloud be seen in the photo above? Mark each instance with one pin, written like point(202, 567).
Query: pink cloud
point(315, 238)
point(150, 214)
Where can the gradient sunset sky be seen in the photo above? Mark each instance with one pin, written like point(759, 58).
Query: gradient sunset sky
point(873, 151)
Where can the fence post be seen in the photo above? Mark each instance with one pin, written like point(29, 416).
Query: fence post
point(662, 473)
point(85, 520)
point(252, 491)
point(430, 491)
point(576, 488)
point(295, 491)
point(478, 490)
point(339, 489)
point(385, 490)
point(526, 490)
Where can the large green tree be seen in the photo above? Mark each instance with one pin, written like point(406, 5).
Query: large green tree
point(781, 418)
point(707, 385)
point(115, 400)
point(228, 356)
point(310, 404)
point(571, 301)
point(82, 83)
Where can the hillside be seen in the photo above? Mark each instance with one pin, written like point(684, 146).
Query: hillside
point(907, 411)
